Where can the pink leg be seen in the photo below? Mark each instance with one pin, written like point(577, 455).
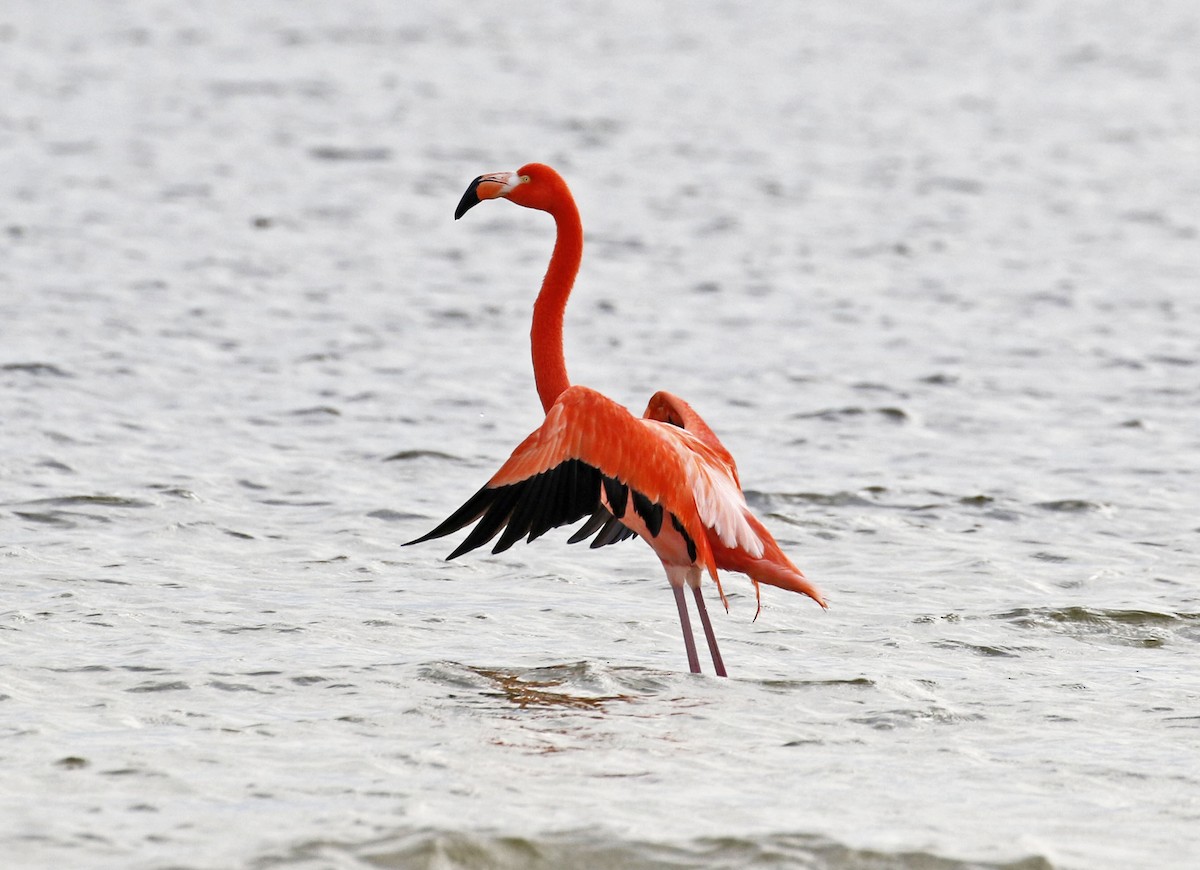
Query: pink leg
point(708, 633)
point(688, 640)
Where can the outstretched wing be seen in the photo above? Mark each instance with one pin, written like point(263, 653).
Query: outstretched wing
point(555, 496)
point(589, 444)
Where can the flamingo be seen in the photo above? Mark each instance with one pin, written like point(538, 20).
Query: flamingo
point(664, 477)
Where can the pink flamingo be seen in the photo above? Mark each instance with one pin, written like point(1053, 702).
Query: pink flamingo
point(665, 476)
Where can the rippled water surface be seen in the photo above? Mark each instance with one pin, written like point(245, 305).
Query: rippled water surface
point(931, 271)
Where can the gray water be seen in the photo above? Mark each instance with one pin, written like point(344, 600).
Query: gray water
point(930, 270)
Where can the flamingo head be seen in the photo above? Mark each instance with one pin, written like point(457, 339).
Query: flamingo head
point(534, 185)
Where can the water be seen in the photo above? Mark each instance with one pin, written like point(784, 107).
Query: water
point(931, 272)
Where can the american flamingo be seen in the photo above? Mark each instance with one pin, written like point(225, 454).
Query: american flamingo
point(665, 477)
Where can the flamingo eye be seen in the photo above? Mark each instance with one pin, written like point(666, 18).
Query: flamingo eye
point(524, 179)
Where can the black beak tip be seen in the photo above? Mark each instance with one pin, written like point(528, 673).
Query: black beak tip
point(469, 200)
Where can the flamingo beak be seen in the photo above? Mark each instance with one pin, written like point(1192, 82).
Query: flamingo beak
point(490, 186)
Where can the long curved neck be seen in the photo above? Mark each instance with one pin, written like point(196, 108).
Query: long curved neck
point(546, 336)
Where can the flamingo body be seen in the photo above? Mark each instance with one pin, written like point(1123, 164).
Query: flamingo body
point(664, 477)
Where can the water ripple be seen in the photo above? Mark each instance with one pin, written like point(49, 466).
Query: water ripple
point(451, 850)
point(1141, 628)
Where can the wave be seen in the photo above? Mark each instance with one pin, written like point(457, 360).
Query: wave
point(599, 850)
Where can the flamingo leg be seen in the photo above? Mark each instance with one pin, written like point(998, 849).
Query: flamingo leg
point(718, 665)
point(686, 623)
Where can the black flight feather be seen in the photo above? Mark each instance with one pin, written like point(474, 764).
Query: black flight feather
point(651, 513)
point(555, 497)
